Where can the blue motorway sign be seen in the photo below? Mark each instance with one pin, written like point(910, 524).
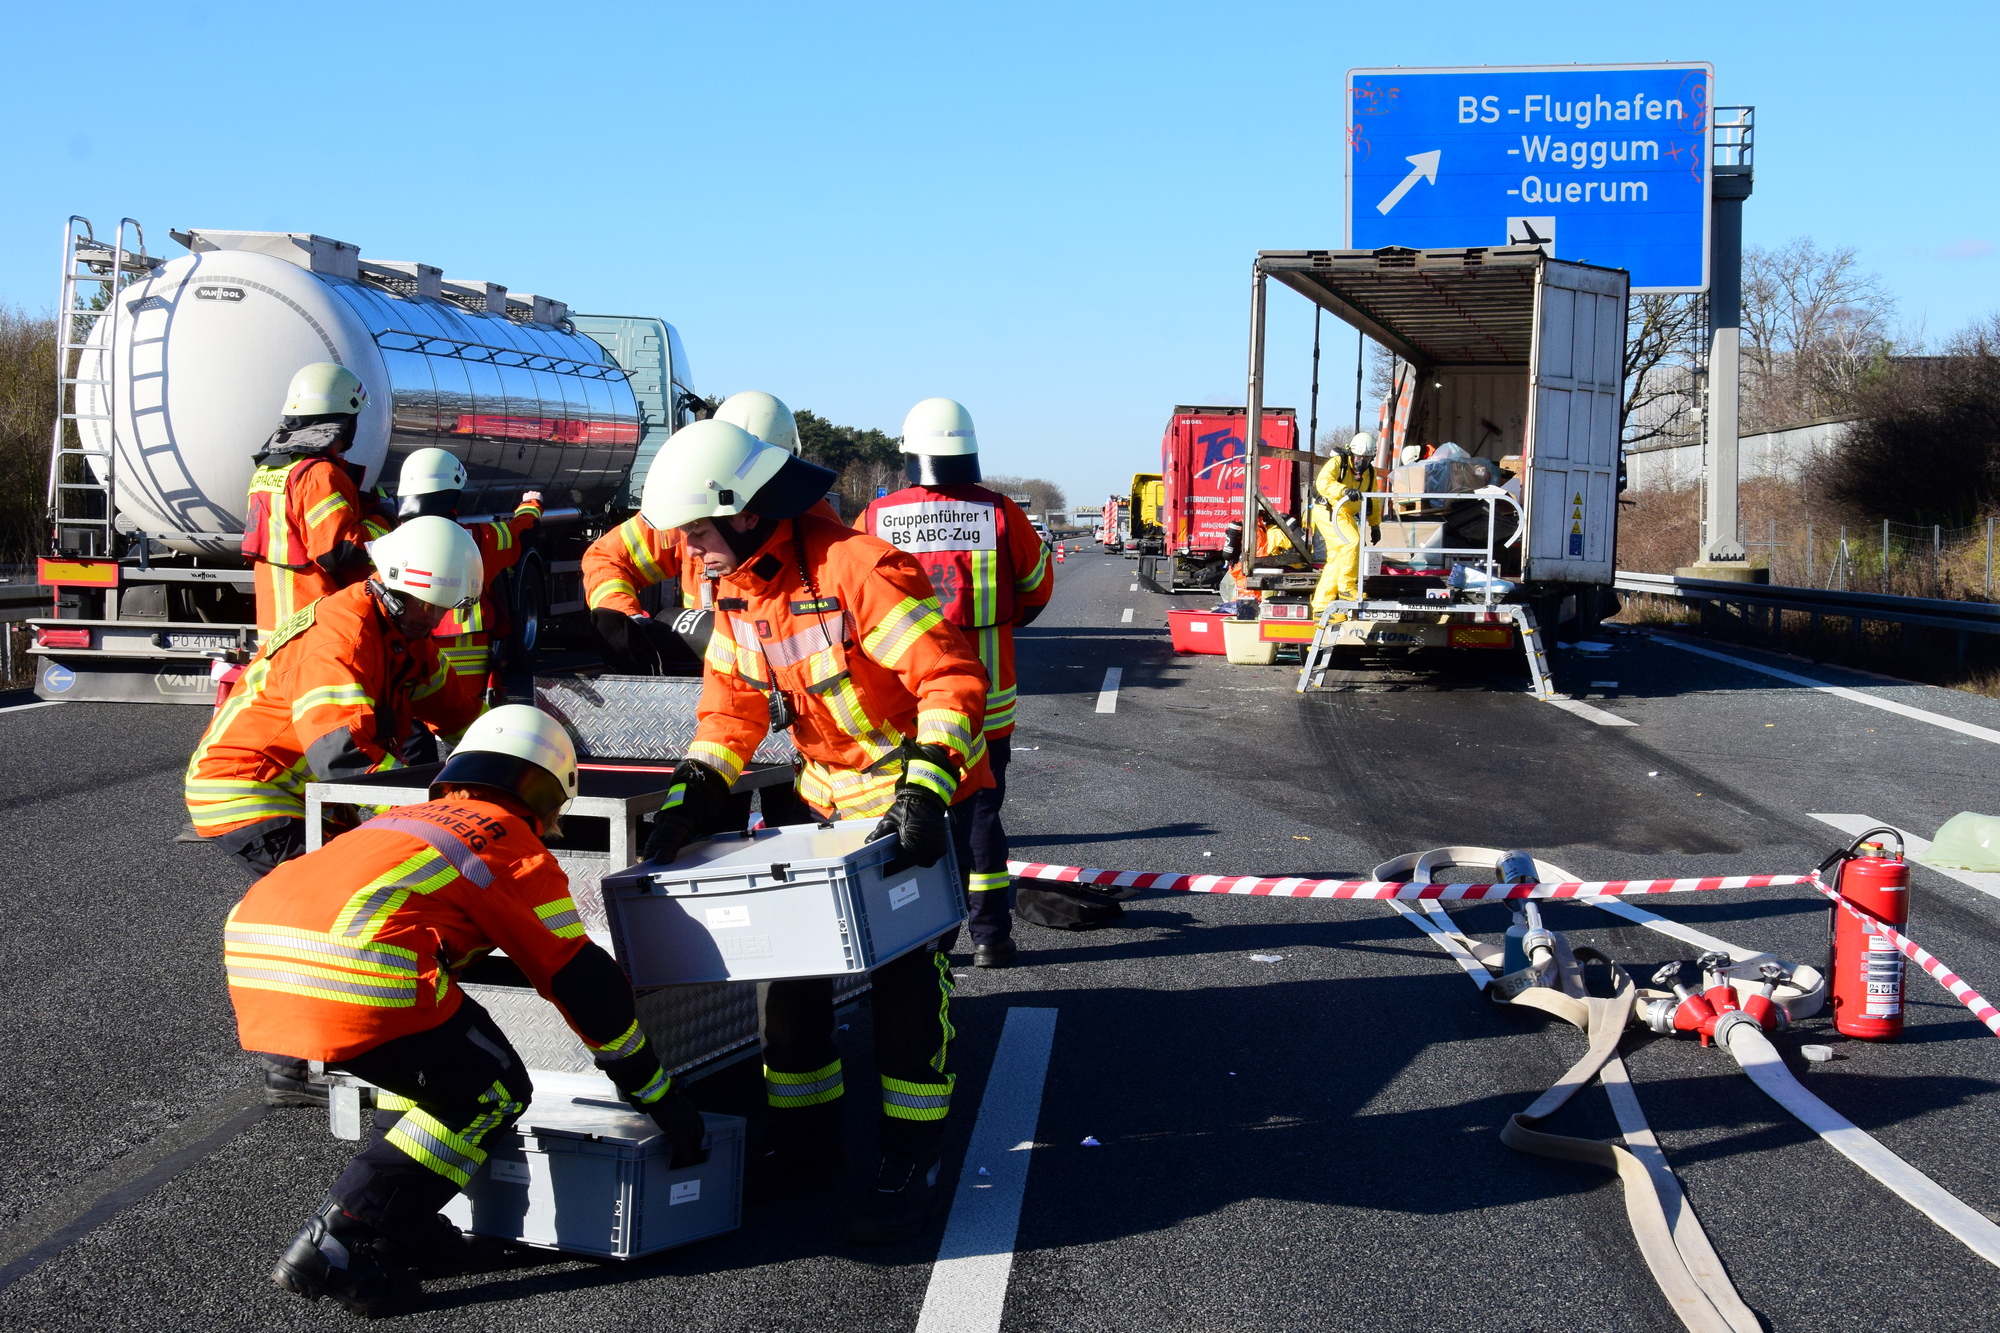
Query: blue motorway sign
point(1606, 164)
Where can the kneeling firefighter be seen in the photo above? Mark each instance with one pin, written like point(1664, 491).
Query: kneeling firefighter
point(349, 956)
point(635, 556)
point(1337, 517)
point(838, 636)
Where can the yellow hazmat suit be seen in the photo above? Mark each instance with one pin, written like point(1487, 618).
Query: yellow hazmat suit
point(1337, 520)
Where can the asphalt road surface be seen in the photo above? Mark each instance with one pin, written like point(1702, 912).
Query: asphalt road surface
point(1295, 1105)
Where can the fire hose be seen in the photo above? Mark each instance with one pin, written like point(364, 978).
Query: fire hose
point(1669, 1236)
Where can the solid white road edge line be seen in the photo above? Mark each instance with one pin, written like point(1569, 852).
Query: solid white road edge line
point(1126, 619)
point(1107, 697)
point(1935, 719)
point(1598, 715)
point(968, 1289)
point(39, 703)
point(1916, 845)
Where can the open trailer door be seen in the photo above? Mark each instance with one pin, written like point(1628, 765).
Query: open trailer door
point(1574, 404)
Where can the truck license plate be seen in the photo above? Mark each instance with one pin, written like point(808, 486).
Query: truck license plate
point(200, 643)
point(1381, 615)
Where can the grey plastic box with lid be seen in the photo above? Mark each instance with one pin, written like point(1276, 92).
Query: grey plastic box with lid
point(584, 1173)
point(810, 900)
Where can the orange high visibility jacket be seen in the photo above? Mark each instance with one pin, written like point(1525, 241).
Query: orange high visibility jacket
point(862, 653)
point(301, 511)
point(357, 943)
point(332, 694)
point(635, 556)
point(463, 642)
point(986, 563)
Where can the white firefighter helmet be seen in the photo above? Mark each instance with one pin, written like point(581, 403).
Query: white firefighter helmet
point(323, 388)
point(713, 469)
point(1362, 445)
point(939, 428)
point(431, 559)
point(429, 471)
point(763, 415)
point(519, 750)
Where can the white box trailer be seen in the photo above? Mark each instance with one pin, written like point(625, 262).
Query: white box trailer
point(1512, 353)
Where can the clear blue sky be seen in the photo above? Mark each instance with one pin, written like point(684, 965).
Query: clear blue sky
point(1046, 211)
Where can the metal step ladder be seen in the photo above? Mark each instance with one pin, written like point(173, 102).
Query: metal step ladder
point(1326, 635)
point(82, 498)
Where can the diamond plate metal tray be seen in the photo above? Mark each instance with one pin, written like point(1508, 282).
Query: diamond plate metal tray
point(636, 717)
point(694, 1029)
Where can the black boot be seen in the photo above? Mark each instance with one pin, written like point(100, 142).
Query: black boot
point(902, 1201)
point(803, 1151)
point(289, 1082)
point(337, 1254)
point(994, 953)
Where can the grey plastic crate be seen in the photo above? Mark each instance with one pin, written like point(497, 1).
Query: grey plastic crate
point(583, 1173)
point(807, 900)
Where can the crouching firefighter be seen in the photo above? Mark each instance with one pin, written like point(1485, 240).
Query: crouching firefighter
point(1337, 517)
point(838, 636)
point(348, 956)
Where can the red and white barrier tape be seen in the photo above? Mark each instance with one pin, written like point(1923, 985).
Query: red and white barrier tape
point(1380, 889)
point(1608, 888)
point(1923, 958)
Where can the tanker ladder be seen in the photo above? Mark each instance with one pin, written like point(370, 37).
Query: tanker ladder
point(1743, 995)
point(1474, 593)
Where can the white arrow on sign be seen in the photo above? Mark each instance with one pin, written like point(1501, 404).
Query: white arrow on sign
point(1426, 165)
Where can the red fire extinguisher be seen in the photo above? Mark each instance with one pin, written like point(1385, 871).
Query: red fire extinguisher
point(1867, 969)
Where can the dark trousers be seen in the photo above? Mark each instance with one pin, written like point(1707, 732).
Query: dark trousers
point(265, 845)
point(982, 857)
point(910, 998)
point(445, 1093)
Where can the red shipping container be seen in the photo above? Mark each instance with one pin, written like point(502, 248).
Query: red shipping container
point(1197, 631)
point(1202, 464)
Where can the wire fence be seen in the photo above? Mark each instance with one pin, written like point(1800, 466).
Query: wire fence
point(1903, 559)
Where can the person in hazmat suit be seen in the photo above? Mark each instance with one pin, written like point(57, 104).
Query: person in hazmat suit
point(1337, 516)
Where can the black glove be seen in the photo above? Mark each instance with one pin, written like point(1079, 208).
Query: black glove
point(1375, 534)
point(1350, 495)
point(697, 805)
point(682, 1124)
point(922, 796)
point(917, 820)
point(1025, 615)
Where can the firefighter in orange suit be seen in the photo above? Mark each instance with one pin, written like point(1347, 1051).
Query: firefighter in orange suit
point(992, 573)
point(635, 556)
point(303, 530)
point(332, 694)
point(838, 636)
point(430, 483)
point(349, 956)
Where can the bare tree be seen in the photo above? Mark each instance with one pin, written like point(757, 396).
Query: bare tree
point(1814, 321)
point(1663, 344)
point(1044, 496)
point(27, 418)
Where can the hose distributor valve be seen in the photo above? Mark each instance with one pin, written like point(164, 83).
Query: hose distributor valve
point(1687, 1013)
point(1770, 1015)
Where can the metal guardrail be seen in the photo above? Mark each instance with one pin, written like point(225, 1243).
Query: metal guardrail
point(1856, 607)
